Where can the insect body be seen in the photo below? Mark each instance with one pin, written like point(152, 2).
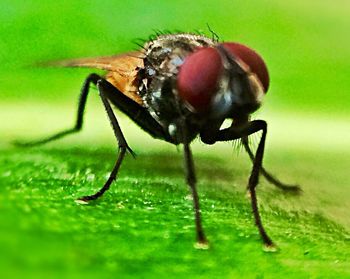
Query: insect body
point(179, 87)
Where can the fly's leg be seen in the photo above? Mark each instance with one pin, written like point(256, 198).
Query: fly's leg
point(270, 178)
point(123, 146)
point(136, 112)
point(192, 181)
point(92, 78)
point(234, 133)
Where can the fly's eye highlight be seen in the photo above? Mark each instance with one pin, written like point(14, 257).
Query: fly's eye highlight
point(198, 78)
point(251, 59)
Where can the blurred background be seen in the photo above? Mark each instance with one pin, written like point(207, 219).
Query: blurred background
point(306, 45)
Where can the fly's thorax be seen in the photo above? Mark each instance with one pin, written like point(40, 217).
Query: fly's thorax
point(163, 58)
point(164, 55)
point(169, 111)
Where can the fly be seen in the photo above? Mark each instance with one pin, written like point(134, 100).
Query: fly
point(179, 87)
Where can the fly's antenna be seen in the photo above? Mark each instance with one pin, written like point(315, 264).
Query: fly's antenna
point(214, 36)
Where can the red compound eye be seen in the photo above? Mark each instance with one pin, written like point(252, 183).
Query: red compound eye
point(198, 78)
point(252, 59)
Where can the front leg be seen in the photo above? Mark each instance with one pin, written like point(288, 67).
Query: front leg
point(234, 133)
point(191, 180)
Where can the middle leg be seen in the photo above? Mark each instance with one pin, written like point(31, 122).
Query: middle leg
point(269, 177)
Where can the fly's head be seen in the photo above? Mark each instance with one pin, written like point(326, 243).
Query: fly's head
point(224, 81)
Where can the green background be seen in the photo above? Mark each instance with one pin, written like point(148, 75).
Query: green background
point(143, 227)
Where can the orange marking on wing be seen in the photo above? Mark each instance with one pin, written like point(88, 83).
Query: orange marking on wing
point(121, 70)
